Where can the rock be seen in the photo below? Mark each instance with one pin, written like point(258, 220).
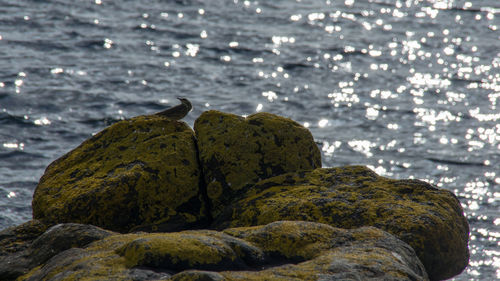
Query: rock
point(279, 216)
point(313, 249)
point(15, 251)
point(203, 250)
point(431, 220)
point(62, 237)
point(38, 247)
point(236, 152)
point(141, 173)
point(286, 250)
point(96, 261)
point(198, 275)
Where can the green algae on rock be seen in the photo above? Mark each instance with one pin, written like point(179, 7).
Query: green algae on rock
point(204, 250)
point(15, 248)
point(141, 171)
point(431, 220)
point(35, 244)
point(315, 251)
point(149, 173)
point(236, 152)
point(322, 252)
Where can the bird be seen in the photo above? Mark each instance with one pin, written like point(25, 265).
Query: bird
point(177, 112)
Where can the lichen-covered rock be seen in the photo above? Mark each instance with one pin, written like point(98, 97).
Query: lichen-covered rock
point(138, 172)
point(15, 248)
point(286, 250)
point(431, 220)
point(17, 238)
point(198, 275)
point(62, 237)
point(322, 250)
point(315, 251)
point(96, 261)
point(145, 174)
point(36, 248)
point(236, 152)
point(205, 250)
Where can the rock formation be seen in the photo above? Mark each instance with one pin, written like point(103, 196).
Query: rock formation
point(236, 199)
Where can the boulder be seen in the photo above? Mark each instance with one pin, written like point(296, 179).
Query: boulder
point(40, 245)
point(236, 152)
point(284, 250)
point(15, 248)
point(431, 220)
point(257, 181)
point(141, 173)
point(308, 249)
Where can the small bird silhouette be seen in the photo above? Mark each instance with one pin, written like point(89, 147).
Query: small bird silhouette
point(177, 112)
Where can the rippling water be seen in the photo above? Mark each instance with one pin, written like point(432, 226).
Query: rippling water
point(410, 88)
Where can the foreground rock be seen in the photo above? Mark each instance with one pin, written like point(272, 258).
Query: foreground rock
point(31, 244)
point(285, 250)
point(15, 248)
point(137, 173)
point(429, 219)
point(236, 152)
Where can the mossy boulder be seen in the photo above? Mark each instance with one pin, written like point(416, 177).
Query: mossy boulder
point(15, 248)
point(316, 251)
point(431, 220)
point(236, 152)
point(142, 172)
point(31, 244)
point(257, 180)
point(285, 250)
point(204, 250)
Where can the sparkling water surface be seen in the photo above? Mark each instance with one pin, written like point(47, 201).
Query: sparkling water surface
point(409, 88)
